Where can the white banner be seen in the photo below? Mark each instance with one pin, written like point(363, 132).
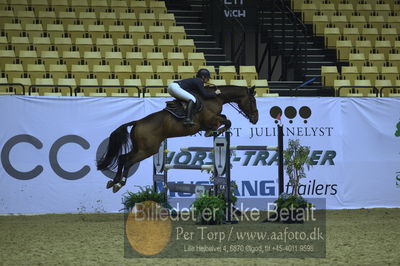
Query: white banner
point(49, 146)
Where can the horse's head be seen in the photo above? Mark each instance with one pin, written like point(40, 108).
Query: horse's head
point(248, 105)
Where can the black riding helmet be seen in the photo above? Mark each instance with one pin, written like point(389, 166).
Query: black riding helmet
point(203, 73)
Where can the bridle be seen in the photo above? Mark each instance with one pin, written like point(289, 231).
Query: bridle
point(252, 100)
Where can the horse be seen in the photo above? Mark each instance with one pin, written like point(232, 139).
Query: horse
point(145, 137)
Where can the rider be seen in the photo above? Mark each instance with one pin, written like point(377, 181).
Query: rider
point(183, 89)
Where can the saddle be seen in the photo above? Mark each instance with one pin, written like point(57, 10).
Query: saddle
point(178, 108)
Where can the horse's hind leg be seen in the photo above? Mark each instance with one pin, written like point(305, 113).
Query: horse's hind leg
point(132, 158)
point(117, 178)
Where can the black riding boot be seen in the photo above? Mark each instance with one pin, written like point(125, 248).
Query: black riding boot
point(188, 120)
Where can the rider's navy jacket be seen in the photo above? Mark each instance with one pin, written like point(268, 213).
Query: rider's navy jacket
point(196, 85)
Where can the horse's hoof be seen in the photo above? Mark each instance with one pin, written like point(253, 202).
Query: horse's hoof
point(116, 188)
point(110, 184)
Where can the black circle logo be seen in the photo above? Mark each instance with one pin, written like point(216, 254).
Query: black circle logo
point(290, 112)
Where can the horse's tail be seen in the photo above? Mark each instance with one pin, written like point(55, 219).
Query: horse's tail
point(117, 144)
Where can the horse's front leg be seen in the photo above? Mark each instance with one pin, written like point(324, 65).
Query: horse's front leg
point(218, 121)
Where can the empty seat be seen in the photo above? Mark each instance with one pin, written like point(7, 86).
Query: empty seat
point(55, 30)
point(133, 87)
point(84, 44)
point(261, 86)
point(34, 30)
point(147, 20)
point(27, 57)
point(36, 71)
point(20, 43)
point(67, 17)
point(114, 58)
point(46, 16)
point(357, 59)
point(107, 18)
point(80, 5)
point(105, 45)
point(331, 35)
point(97, 31)
point(343, 48)
point(186, 72)
point(108, 85)
point(101, 71)
point(137, 32)
point(117, 31)
point(157, 32)
point(186, 46)
point(338, 83)
point(128, 18)
point(166, 46)
point(42, 44)
point(123, 72)
point(158, 7)
point(350, 72)
point(390, 72)
point(217, 82)
point(379, 83)
point(92, 58)
point(80, 71)
point(7, 57)
point(165, 72)
point(227, 73)
point(13, 70)
point(63, 44)
point(166, 19)
point(238, 82)
point(320, 21)
point(76, 31)
point(12, 29)
point(71, 57)
point(329, 74)
point(176, 59)
point(176, 33)
point(135, 58)
point(154, 86)
point(196, 59)
point(370, 72)
point(139, 7)
point(146, 45)
point(248, 73)
point(155, 59)
point(125, 45)
point(144, 72)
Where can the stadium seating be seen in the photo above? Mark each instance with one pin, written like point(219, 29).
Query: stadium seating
point(98, 42)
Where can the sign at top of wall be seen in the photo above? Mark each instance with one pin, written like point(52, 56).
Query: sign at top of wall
point(244, 11)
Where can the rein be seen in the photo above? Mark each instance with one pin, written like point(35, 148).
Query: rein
point(234, 106)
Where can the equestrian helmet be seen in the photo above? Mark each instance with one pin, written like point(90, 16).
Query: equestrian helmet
point(203, 73)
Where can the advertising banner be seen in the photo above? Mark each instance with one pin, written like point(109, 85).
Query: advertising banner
point(49, 147)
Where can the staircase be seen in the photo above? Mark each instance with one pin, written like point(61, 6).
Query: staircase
point(304, 55)
point(189, 14)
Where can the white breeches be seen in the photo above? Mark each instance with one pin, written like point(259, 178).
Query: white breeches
point(176, 91)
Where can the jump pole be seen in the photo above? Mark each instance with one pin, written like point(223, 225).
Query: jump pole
point(160, 165)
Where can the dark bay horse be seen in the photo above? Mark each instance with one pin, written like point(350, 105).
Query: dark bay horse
point(147, 133)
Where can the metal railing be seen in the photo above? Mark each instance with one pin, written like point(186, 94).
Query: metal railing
point(14, 84)
point(33, 87)
point(78, 88)
point(376, 91)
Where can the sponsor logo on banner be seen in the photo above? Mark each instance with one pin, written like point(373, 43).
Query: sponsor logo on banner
point(9, 162)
